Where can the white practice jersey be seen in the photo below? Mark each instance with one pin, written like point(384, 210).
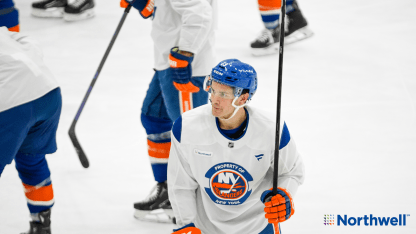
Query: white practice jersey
point(216, 183)
point(23, 75)
point(189, 25)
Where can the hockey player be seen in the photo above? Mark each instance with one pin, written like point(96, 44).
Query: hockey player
point(296, 28)
point(221, 161)
point(30, 107)
point(183, 36)
point(78, 10)
point(9, 16)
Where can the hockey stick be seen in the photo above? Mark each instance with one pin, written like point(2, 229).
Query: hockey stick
point(81, 154)
point(279, 96)
point(279, 104)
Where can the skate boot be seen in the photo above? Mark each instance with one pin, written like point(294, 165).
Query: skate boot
point(266, 43)
point(296, 29)
point(156, 207)
point(79, 10)
point(49, 8)
point(44, 224)
point(297, 26)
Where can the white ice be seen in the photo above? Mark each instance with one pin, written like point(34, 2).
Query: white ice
point(349, 96)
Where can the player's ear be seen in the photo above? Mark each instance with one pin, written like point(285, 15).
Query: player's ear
point(243, 98)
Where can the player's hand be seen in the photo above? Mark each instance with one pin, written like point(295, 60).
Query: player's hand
point(180, 63)
point(145, 7)
point(279, 207)
point(190, 228)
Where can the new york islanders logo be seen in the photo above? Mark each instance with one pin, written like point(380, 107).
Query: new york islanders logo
point(229, 184)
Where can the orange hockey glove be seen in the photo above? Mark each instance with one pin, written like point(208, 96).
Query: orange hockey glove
point(188, 229)
point(279, 207)
point(145, 7)
point(182, 71)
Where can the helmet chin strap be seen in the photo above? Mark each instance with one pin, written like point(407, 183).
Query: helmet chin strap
point(236, 108)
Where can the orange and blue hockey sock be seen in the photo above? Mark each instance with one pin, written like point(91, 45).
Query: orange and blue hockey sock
point(9, 16)
point(158, 142)
point(35, 175)
point(270, 11)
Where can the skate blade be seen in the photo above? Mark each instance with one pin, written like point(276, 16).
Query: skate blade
point(159, 215)
point(298, 35)
point(272, 49)
point(55, 12)
point(76, 17)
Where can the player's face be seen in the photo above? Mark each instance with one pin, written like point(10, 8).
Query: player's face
point(222, 97)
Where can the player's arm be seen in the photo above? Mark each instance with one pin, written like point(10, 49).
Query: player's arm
point(197, 20)
point(181, 182)
point(280, 207)
point(291, 167)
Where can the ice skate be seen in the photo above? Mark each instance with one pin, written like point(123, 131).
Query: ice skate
point(44, 224)
point(79, 10)
point(296, 29)
point(49, 8)
point(266, 43)
point(156, 207)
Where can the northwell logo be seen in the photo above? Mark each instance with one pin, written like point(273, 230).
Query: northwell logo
point(366, 220)
point(329, 219)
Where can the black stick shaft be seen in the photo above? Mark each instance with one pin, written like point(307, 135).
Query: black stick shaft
point(279, 96)
point(81, 154)
point(107, 52)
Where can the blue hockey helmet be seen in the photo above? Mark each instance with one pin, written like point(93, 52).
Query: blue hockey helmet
point(236, 74)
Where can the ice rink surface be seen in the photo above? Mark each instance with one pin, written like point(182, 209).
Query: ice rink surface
point(349, 96)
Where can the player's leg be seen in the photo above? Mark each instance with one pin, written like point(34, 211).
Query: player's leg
point(41, 137)
point(176, 102)
point(14, 125)
point(9, 16)
point(14, 129)
point(156, 121)
point(35, 175)
point(296, 26)
point(268, 41)
point(49, 8)
point(162, 105)
point(79, 10)
point(31, 163)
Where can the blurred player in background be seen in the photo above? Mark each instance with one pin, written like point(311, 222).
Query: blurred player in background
point(9, 15)
point(77, 10)
point(295, 29)
point(30, 107)
point(222, 161)
point(183, 36)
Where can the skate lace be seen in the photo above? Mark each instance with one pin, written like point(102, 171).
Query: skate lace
point(153, 196)
point(78, 3)
point(265, 35)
